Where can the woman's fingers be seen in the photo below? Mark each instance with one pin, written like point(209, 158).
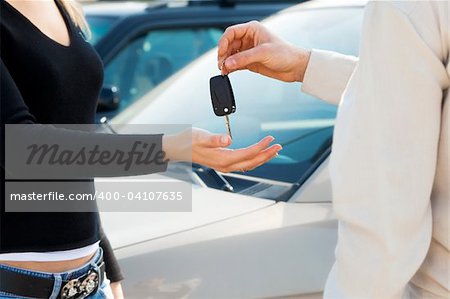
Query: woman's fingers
point(249, 152)
point(258, 160)
point(209, 149)
point(225, 157)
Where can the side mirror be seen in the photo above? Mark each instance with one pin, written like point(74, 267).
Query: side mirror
point(109, 99)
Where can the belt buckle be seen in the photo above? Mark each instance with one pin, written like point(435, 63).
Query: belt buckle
point(77, 289)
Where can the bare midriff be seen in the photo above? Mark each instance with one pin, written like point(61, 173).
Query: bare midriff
point(52, 267)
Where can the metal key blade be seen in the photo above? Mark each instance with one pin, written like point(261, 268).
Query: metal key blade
point(227, 122)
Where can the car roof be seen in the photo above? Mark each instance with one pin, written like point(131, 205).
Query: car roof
point(118, 8)
point(314, 4)
point(127, 8)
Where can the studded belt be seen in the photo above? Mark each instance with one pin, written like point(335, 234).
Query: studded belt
point(25, 285)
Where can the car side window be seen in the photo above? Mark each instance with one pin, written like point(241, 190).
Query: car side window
point(100, 26)
point(151, 58)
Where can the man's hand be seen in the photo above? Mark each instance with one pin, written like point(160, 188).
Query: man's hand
point(252, 46)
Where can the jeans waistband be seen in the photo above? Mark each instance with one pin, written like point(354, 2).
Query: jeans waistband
point(64, 275)
point(51, 285)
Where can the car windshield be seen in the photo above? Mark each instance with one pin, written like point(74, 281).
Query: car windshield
point(301, 123)
point(100, 26)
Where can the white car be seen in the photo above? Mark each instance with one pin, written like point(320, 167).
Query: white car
point(274, 236)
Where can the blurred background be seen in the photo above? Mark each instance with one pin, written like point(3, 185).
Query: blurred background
point(265, 233)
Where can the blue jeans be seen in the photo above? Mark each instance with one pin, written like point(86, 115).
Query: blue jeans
point(103, 292)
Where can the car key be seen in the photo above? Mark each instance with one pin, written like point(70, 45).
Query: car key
point(222, 98)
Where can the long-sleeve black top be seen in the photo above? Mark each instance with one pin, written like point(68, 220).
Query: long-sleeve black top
point(44, 82)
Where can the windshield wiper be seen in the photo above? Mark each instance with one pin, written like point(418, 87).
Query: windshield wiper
point(212, 178)
point(293, 140)
point(318, 159)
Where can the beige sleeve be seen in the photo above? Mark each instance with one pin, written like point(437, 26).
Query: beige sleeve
point(385, 146)
point(327, 75)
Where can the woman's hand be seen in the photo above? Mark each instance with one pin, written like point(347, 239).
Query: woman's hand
point(251, 46)
point(210, 150)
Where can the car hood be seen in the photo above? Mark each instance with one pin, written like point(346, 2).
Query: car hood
point(208, 206)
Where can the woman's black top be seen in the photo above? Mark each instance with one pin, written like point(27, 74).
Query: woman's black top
point(45, 82)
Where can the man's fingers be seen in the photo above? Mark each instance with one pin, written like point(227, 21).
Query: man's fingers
point(235, 47)
point(235, 34)
point(242, 60)
point(232, 33)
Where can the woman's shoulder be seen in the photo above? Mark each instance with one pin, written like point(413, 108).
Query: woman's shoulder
point(7, 19)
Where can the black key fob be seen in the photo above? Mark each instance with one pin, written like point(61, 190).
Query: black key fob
point(222, 95)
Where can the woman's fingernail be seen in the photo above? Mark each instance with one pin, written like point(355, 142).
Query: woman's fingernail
point(224, 139)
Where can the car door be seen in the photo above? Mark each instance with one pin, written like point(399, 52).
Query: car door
point(152, 56)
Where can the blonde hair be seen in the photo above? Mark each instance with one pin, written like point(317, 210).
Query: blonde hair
point(75, 11)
